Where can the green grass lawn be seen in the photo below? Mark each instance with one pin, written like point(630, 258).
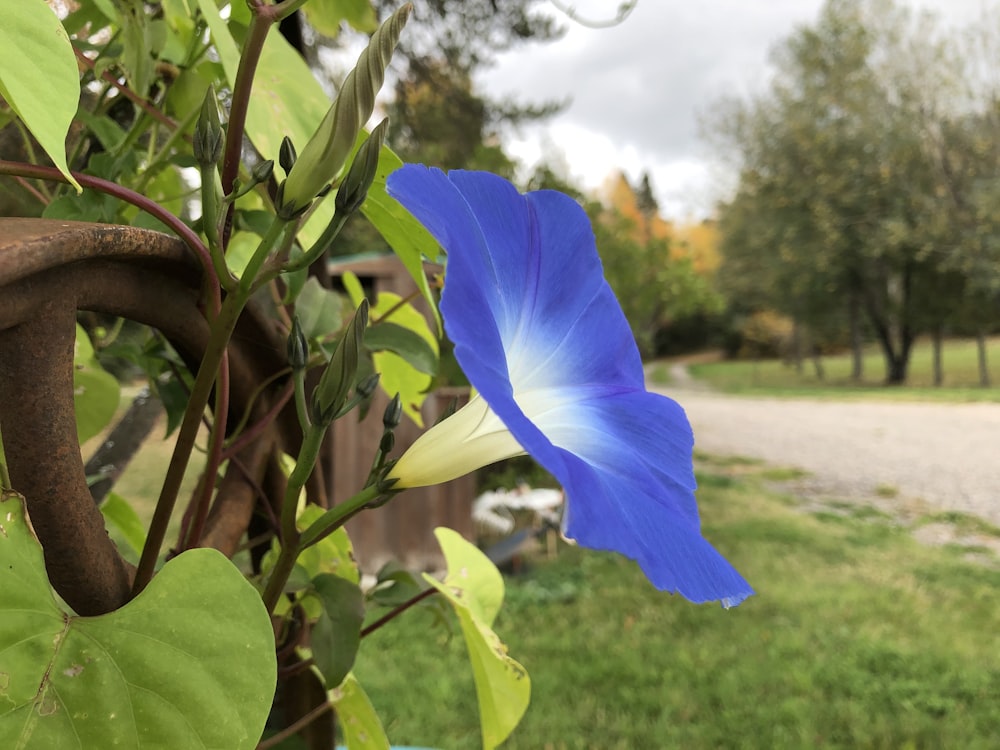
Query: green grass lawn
point(773, 377)
point(858, 637)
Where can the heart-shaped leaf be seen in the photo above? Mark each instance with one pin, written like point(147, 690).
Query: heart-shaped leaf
point(189, 663)
point(474, 587)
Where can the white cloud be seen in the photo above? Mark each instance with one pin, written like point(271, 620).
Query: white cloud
point(638, 89)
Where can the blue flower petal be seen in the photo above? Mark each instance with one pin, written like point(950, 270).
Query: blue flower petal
point(541, 336)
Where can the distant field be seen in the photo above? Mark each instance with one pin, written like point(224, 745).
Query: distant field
point(774, 377)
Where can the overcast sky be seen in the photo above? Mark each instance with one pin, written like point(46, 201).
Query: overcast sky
point(637, 90)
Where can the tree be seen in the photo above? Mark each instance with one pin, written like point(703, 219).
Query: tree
point(835, 182)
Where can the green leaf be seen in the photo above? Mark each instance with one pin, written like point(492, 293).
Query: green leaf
point(189, 663)
point(179, 15)
point(326, 15)
point(107, 7)
point(39, 76)
point(225, 45)
point(405, 342)
point(122, 516)
point(337, 633)
point(332, 554)
point(406, 236)
point(398, 375)
point(137, 36)
point(242, 246)
point(394, 585)
point(174, 396)
point(108, 132)
point(320, 310)
point(96, 393)
point(474, 587)
point(360, 724)
point(87, 206)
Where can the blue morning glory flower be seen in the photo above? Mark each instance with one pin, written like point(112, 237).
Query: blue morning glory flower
point(545, 344)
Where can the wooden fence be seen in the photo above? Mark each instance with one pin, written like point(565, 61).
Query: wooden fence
point(403, 528)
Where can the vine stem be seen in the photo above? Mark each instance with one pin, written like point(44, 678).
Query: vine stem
point(293, 543)
point(262, 18)
point(128, 93)
point(216, 438)
point(182, 230)
point(295, 726)
point(211, 365)
point(393, 614)
point(249, 434)
point(222, 328)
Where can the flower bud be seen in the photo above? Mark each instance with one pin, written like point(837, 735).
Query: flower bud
point(354, 189)
point(298, 347)
point(208, 135)
point(262, 171)
point(325, 154)
point(287, 155)
point(337, 380)
point(367, 386)
point(393, 413)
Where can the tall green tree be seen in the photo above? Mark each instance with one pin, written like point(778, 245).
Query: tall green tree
point(836, 188)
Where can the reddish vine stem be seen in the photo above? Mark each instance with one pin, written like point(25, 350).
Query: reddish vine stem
point(251, 433)
point(295, 726)
point(32, 190)
point(188, 235)
point(426, 594)
point(214, 458)
point(128, 93)
point(261, 21)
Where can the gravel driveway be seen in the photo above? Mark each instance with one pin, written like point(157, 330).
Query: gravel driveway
point(942, 456)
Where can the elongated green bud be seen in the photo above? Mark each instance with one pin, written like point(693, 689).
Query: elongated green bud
point(207, 140)
point(354, 189)
point(298, 348)
point(326, 153)
point(262, 171)
point(338, 378)
point(367, 386)
point(393, 413)
point(287, 155)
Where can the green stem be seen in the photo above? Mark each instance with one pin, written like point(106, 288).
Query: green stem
point(299, 378)
point(324, 241)
point(215, 351)
point(312, 441)
point(338, 515)
point(292, 543)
